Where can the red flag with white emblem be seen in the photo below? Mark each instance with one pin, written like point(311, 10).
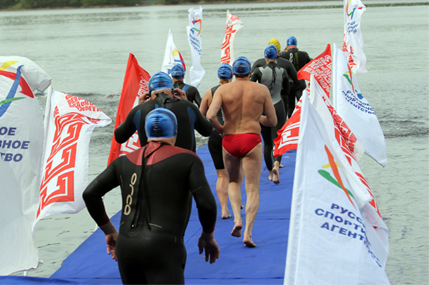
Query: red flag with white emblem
point(135, 84)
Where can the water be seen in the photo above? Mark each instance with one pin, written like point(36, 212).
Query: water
point(86, 51)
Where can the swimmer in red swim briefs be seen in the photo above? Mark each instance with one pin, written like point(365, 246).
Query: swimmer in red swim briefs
point(243, 103)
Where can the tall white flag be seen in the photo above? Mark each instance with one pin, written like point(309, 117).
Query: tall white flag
point(69, 122)
point(330, 240)
point(355, 109)
point(21, 145)
point(353, 40)
point(233, 24)
point(172, 56)
point(194, 29)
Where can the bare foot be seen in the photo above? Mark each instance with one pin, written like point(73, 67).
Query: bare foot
point(242, 207)
point(226, 215)
point(276, 177)
point(281, 166)
point(249, 242)
point(236, 231)
point(270, 175)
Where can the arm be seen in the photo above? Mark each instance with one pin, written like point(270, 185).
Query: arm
point(92, 197)
point(205, 102)
point(270, 118)
point(125, 130)
point(213, 109)
point(179, 94)
point(206, 206)
point(196, 95)
point(292, 72)
point(203, 126)
point(256, 75)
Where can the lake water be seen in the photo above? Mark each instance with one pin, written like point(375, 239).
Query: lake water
point(86, 50)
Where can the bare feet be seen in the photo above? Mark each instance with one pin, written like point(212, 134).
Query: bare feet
point(276, 177)
point(249, 242)
point(236, 231)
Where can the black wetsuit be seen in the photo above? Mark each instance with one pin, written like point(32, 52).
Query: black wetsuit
point(191, 92)
point(299, 59)
point(288, 101)
point(215, 140)
point(156, 207)
point(275, 78)
point(189, 118)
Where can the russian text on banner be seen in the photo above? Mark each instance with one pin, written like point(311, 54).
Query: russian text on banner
point(194, 29)
point(326, 221)
point(233, 24)
point(135, 84)
point(353, 40)
point(69, 122)
point(21, 146)
point(355, 109)
point(320, 67)
point(172, 56)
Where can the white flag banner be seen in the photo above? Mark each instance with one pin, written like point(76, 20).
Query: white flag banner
point(330, 240)
point(36, 77)
point(356, 111)
point(333, 123)
point(21, 145)
point(194, 29)
point(353, 40)
point(69, 122)
point(172, 56)
point(233, 24)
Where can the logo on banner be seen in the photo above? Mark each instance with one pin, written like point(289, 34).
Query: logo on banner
point(196, 21)
point(18, 82)
point(354, 97)
point(337, 181)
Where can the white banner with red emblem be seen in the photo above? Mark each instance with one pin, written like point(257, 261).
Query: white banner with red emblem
point(194, 29)
point(233, 24)
point(69, 122)
point(21, 145)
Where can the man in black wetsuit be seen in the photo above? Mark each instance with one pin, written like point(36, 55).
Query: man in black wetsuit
point(157, 183)
point(178, 74)
point(276, 79)
point(224, 74)
point(188, 115)
point(288, 101)
point(298, 58)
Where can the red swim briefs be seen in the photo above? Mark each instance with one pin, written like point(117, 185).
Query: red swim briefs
point(239, 145)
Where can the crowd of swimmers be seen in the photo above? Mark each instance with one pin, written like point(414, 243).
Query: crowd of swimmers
point(159, 180)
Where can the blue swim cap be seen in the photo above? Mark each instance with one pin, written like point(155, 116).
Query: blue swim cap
point(291, 41)
point(160, 123)
point(178, 71)
point(241, 66)
point(224, 72)
point(271, 52)
point(160, 80)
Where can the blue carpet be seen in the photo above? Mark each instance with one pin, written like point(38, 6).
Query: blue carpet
point(237, 264)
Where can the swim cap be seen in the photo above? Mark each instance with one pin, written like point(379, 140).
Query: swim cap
point(276, 43)
point(224, 72)
point(291, 41)
point(241, 66)
point(160, 80)
point(270, 52)
point(178, 71)
point(160, 123)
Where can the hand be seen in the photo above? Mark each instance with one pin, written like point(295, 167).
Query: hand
point(144, 97)
point(179, 94)
point(208, 243)
point(111, 245)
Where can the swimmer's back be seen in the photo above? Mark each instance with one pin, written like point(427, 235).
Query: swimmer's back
point(243, 104)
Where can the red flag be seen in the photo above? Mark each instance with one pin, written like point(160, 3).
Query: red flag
point(135, 84)
point(320, 67)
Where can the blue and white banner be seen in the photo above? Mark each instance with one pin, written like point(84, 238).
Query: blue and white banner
point(194, 29)
point(330, 239)
point(21, 146)
point(353, 107)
